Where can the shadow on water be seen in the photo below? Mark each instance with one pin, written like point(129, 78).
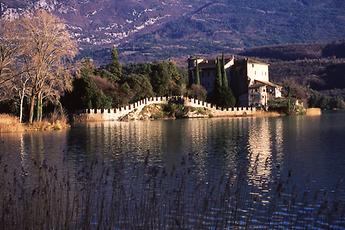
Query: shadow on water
point(184, 174)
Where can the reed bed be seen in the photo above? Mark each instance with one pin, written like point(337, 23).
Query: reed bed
point(105, 196)
point(9, 123)
point(54, 121)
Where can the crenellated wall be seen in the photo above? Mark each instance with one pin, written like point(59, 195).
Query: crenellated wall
point(118, 113)
point(218, 111)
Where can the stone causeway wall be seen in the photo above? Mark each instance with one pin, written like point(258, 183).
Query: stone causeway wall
point(118, 113)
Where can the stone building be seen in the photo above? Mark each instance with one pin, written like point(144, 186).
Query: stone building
point(260, 92)
point(251, 84)
point(208, 71)
point(248, 79)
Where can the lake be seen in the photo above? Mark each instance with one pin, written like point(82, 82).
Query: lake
point(281, 172)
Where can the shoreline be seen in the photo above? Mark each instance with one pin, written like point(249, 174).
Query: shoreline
point(258, 114)
point(15, 127)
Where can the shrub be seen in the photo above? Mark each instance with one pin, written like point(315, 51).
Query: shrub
point(198, 92)
point(175, 108)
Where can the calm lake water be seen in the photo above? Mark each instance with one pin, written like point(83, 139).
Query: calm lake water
point(199, 173)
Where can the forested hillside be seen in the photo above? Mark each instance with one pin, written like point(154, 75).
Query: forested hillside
point(298, 51)
point(152, 29)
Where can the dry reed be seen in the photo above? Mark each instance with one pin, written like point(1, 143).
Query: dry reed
point(102, 196)
point(9, 123)
point(55, 121)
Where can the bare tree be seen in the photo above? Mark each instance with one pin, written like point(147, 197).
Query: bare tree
point(46, 51)
point(13, 74)
point(8, 53)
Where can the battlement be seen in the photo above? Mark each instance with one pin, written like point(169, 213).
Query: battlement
point(117, 113)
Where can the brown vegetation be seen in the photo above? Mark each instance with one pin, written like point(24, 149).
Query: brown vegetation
point(313, 112)
point(198, 92)
point(10, 123)
point(46, 125)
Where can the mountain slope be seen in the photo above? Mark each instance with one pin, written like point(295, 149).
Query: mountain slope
point(100, 23)
point(151, 29)
point(225, 25)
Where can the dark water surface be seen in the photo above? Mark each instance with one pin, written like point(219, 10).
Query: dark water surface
point(186, 174)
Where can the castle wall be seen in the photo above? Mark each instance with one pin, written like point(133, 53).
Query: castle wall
point(118, 113)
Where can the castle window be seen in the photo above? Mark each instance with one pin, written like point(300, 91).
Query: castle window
point(253, 65)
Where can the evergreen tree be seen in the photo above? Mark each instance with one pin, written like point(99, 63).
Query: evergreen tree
point(224, 75)
point(160, 78)
point(222, 94)
point(115, 67)
point(219, 80)
point(86, 93)
point(225, 98)
point(197, 74)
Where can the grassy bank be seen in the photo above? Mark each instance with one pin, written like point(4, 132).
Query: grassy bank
point(10, 124)
point(313, 112)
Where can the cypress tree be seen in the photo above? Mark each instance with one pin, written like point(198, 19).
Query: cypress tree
point(197, 74)
point(222, 94)
point(219, 80)
point(225, 83)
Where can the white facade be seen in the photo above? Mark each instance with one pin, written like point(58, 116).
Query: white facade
point(257, 71)
point(261, 90)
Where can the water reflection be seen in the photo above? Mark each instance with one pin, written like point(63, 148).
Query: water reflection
point(260, 152)
point(211, 148)
point(265, 146)
point(200, 171)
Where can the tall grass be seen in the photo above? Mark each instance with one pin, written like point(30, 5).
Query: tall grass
point(103, 196)
point(54, 121)
point(9, 123)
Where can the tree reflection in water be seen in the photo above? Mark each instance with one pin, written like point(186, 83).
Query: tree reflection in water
point(190, 174)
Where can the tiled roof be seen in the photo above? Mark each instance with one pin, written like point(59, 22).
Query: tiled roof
point(211, 63)
point(250, 60)
point(258, 83)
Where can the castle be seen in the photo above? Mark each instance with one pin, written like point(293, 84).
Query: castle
point(248, 79)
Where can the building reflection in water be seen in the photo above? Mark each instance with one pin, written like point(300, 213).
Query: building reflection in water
point(251, 149)
point(117, 138)
point(265, 146)
point(210, 146)
point(278, 141)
